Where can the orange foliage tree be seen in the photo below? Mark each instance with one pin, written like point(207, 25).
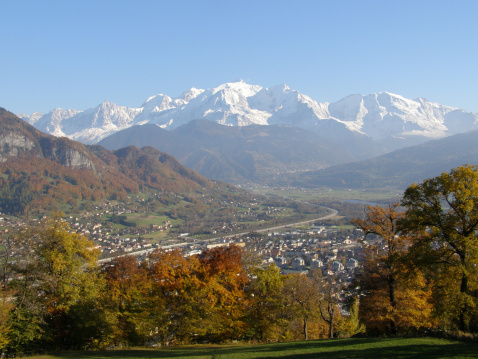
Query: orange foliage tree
point(126, 300)
point(198, 298)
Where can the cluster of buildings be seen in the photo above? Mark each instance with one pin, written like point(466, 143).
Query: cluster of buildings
point(333, 251)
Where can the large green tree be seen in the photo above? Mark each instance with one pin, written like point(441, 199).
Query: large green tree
point(442, 217)
point(268, 313)
point(55, 284)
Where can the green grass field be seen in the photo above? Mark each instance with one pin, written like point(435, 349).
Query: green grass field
point(337, 348)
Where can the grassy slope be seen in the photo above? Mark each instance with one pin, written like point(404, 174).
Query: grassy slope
point(338, 348)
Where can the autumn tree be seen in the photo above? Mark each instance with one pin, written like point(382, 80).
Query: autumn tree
point(413, 308)
point(351, 324)
point(8, 245)
point(126, 300)
point(328, 301)
point(5, 324)
point(390, 294)
point(199, 298)
point(383, 222)
point(223, 273)
point(21, 278)
point(177, 297)
point(268, 314)
point(55, 283)
point(303, 294)
point(442, 218)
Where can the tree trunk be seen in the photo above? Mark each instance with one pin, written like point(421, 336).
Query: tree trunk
point(464, 324)
point(306, 334)
point(393, 303)
point(331, 323)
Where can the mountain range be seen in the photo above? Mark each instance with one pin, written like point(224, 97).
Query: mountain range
point(386, 118)
point(241, 133)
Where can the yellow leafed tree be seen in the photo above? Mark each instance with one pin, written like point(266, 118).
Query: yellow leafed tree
point(393, 298)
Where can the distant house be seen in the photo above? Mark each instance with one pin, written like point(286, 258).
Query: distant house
point(336, 266)
point(316, 263)
point(215, 245)
point(298, 263)
point(281, 262)
point(351, 263)
point(275, 252)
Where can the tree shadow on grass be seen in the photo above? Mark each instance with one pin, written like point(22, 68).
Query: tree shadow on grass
point(356, 348)
point(410, 351)
point(322, 345)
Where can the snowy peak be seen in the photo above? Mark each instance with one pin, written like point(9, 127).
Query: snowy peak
point(394, 115)
point(240, 88)
point(190, 94)
point(88, 126)
point(52, 122)
point(289, 106)
point(35, 116)
point(158, 103)
point(104, 115)
point(381, 116)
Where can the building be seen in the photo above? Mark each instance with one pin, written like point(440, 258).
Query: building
point(316, 263)
point(336, 266)
point(298, 263)
point(351, 263)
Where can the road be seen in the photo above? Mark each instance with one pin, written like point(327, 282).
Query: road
point(332, 214)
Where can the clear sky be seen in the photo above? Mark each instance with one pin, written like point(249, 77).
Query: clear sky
point(78, 53)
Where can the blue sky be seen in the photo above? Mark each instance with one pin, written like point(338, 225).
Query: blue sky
point(78, 53)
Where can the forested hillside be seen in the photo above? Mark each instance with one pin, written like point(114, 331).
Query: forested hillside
point(38, 171)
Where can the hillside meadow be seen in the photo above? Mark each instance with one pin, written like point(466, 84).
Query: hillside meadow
point(333, 348)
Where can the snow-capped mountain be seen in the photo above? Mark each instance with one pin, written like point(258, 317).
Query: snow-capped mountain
point(382, 117)
point(52, 122)
point(88, 126)
point(385, 115)
point(95, 123)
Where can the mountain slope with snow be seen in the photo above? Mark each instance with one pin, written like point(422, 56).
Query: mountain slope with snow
point(383, 117)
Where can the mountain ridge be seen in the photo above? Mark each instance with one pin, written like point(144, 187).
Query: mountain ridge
point(384, 117)
point(257, 154)
point(38, 170)
point(399, 168)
